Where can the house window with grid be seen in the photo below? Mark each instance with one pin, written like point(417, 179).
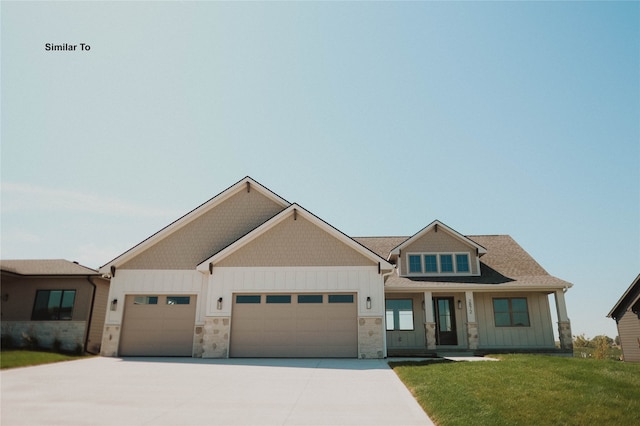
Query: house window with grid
point(53, 305)
point(511, 312)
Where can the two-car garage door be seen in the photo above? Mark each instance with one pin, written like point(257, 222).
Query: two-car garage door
point(294, 325)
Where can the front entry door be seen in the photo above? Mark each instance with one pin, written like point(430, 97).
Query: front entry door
point(446, 333)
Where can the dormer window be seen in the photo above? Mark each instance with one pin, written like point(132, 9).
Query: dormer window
point(439, 263)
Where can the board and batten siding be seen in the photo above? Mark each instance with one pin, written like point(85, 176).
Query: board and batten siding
point(629, 332)
point(538, 335)
point(362, 280)
point(134, 282)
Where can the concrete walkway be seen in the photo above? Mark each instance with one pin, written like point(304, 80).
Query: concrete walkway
point(186, 391)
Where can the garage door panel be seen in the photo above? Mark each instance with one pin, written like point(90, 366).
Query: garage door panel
point(157, 329)
point(311, 329)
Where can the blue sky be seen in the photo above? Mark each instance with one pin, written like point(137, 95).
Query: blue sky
point(515, 118)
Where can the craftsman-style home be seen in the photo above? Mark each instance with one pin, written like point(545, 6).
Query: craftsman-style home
point(249, 274)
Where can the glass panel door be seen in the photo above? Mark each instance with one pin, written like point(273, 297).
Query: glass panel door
point(446, 333)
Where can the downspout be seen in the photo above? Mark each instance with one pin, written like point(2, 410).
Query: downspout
point(384, 320)
point(93, 300)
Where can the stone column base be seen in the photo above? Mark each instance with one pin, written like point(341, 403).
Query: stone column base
point(564, 332)
point(430, 334)
point(472, 335)
point(370, 338)
point(213, 341)
point(110, 340)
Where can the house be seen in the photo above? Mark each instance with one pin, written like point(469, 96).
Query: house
point(626, 312)
point(249, 274)
point(53, 304)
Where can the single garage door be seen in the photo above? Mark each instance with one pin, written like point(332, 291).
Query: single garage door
point(294, 326)
point(158, 326)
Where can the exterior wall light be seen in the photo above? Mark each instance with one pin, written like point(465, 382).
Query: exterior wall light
point(368, 302)
point(114, 304)
point(459, 304)
point(219, 304)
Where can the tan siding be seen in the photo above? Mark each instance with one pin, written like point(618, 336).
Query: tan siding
point(295, 243)
point(22, 292)
point(208, 234)
point(439, 242)
point(629, 331)
point(538, 335)
point(98, 317)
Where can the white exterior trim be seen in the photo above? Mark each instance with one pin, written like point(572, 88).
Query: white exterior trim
point(294, 209)
point(191, 216)
point(481, 250)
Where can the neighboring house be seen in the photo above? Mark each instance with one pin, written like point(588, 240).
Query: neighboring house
point(626, 312)
point(248, 274)
point(53, 302)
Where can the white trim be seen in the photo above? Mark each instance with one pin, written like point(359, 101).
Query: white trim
point(451, 231)
point(191, 216)
point(289, 211)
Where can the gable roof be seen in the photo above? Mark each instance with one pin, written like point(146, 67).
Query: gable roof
point(437, 225)
point(246, 184)
point(44, 267)
point(294, 210)
point(505, 263)
point(629, 296)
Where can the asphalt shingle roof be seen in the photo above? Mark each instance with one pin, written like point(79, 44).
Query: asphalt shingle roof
point(44, 267)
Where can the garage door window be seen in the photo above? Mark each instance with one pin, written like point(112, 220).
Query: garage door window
point(178, 300)
point(310, 298)
point(341, 298)
point(145, 300)
point(248, 299)
point(279, 299)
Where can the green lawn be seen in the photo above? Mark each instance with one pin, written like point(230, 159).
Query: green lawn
point(526, 390)
point(20, 358)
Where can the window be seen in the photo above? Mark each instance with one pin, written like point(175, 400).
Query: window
point(462, 262)
point(53, 305)
point(430, 263)
point(178, 300)
point(439, 263)
point(341, 298)
point(414, 264)
point(446, 263)
point(248, 299)
point(145, 300)
point(399, 313)
point(278, 299)
point(511, 312)
point(310, 298)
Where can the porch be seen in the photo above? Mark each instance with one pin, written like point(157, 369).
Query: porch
point(468, 323)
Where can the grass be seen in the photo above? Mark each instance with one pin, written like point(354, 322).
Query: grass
point(22, 358)
point(526, 390)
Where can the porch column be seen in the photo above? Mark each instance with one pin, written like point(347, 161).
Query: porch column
point(564, 325)
point(429, 321)
point(472, 324)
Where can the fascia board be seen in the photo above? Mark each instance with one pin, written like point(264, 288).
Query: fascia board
point(623, 298)
point(451, 231)
point(484, 288)
point(384, 265)
point(192, 215)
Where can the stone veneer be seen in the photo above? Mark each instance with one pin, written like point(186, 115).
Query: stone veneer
point(213, 340)
point(70, 334)
point(110, 340)
point(430, 334)
point(564, 332)
point(370, 338)
point(472, 335)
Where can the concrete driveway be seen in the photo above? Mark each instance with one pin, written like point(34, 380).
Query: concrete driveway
point(185, 391)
